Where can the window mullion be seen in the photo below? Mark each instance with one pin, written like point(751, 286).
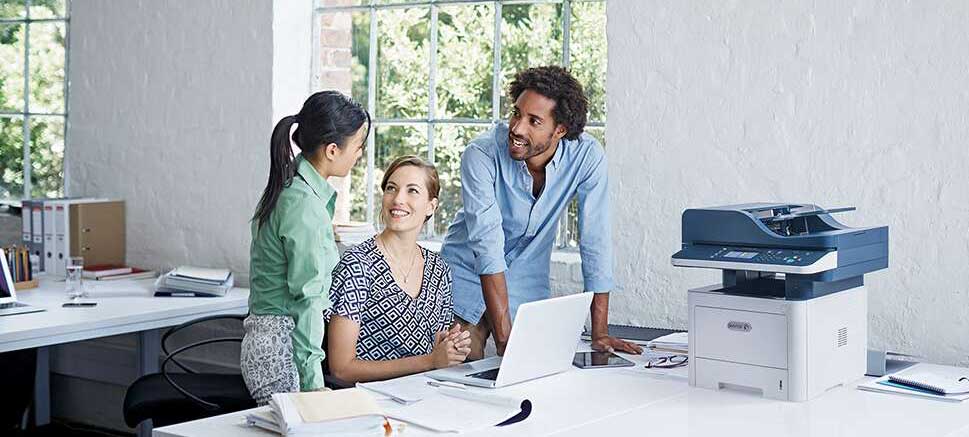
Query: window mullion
point(562, 237)
point(566, 33)
point(432, 102)
point(27, 185)
point(496, 68)
point(67, 70)
point(372, 108)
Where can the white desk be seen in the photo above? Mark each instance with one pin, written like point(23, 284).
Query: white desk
point(630, 401)
point(121, 309)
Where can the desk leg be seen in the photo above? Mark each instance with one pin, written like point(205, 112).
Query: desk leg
point(149, 349)
point(42, 388)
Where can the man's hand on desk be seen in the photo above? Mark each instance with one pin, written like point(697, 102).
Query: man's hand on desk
point(607, 343)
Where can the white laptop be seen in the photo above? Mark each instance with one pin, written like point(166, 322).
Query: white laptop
point(8, 295)
point(542, 342)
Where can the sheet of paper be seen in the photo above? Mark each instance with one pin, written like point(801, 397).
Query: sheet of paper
point(408, 390)
point(453, 414)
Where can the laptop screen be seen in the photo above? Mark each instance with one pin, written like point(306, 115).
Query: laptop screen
point(6, 282)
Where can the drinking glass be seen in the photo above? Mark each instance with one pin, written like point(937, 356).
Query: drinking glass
point(73, 283)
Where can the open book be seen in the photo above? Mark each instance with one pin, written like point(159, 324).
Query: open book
point(346, 412)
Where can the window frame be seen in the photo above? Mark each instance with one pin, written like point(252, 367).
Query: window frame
point(563, 236)
point(26, 113)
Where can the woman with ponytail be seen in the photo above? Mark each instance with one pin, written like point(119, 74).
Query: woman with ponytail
point(293, 251)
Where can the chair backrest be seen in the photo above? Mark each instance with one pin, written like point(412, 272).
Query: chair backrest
point(171, 356)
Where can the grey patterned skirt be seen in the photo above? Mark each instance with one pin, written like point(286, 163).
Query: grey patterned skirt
point(267, 356)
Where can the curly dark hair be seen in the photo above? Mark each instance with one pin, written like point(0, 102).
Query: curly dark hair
point(555, 83)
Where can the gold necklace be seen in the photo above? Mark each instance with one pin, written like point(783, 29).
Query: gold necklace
point(394, 259)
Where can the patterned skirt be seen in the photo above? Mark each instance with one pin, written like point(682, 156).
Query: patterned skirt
point(267, 356)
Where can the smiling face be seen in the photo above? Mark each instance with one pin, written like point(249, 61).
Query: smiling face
point(407, 203)
point(532, 130)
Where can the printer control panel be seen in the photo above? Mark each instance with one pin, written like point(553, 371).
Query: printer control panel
point(756, 258)
point(767, 256)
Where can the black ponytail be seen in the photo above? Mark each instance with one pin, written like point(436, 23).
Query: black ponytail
point(326, 117)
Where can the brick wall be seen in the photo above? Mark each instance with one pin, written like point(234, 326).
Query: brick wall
point(334, 73)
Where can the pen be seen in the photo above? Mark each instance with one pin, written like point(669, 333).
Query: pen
point(397, 399)
point(446, 384)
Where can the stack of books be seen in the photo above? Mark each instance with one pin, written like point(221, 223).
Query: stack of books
point(20, 266)
point(194, 281)
point(353, 233)
point(112, 272)
point(345, 412)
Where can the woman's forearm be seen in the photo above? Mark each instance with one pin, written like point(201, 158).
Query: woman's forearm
point(357, 370)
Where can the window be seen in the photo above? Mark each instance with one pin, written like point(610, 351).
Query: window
point(33, 97)
point(434, 75)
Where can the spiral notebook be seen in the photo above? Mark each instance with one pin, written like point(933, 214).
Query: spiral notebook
point(933, 381)
point(942, 380)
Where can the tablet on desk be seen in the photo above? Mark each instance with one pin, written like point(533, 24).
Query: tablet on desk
point(595, 360)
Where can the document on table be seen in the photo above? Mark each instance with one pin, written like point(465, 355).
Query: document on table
point(405, 390)
point(458, 410)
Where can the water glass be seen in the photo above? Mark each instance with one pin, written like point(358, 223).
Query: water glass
point(73, 284)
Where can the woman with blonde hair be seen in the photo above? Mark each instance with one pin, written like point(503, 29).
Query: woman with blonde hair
point(392, 312)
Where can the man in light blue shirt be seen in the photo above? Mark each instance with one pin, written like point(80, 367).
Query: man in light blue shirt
point(516, 180)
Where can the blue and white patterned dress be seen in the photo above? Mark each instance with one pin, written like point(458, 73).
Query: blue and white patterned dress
point(392, 324)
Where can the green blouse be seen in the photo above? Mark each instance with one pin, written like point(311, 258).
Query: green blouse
point(291, 260)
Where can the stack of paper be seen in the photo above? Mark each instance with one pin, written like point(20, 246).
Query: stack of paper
point(461, 410)
point(677, 342)
point(349, 412)
point(194, 281)
point(353, 232)
point(446, 406)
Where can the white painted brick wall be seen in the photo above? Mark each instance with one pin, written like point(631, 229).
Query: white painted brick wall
point(857, 103)
point(171, 109)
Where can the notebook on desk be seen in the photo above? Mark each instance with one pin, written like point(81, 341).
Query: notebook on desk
point(933, 381)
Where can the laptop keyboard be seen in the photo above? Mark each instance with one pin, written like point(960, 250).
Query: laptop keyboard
point(490, 375)
point(4, 306)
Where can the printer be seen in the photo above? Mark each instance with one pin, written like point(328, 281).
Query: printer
point(790, 318)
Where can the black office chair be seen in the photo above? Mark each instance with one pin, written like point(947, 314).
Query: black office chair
point(168, 398)
point(329, 381)
point(19, 368)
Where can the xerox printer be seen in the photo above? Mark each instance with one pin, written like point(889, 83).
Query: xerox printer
point(790, 318)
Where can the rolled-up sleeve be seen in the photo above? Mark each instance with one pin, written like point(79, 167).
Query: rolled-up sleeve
point(483, 218)
point(595, 227)
point(303, 231)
